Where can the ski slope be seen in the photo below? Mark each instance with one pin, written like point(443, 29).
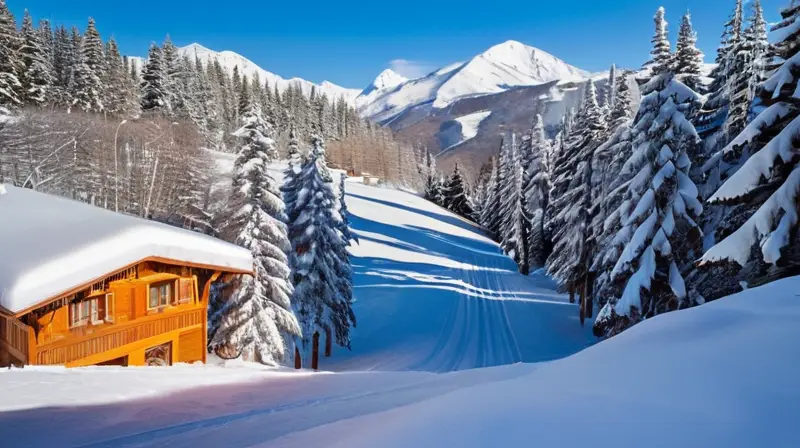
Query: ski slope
point(433, 293)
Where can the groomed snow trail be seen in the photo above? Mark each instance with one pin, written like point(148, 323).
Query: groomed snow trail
point(434, 294)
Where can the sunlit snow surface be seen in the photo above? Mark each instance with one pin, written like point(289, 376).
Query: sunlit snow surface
point(433, 294)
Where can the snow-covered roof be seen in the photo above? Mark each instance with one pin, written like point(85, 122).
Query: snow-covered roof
point(50, 245)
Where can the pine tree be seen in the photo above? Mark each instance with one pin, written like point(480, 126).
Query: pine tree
point(688, 59)
point(11, 90)
point(154, 96)
point(662, 52)
point(431, 178)
point(492, 203)
point(661, 234)
point(172, 74)
point(623, 108)
point(747, 72)
point(36, 79)
point(87, 88)
point(257, 321)
point(117, 84)
point(537, 192)
point(345, 213)
point(711, 118)
point(322, 274)
point(572, 200)
point(63, 61)
point(455, 194)
point(291, 175)
point(764, 192)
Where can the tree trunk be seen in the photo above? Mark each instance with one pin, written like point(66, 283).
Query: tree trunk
point(571, 293)
point(328, 343)
point(582, 303)
point(315, 351)
point(298, 362)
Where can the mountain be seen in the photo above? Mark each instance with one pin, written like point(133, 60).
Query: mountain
point(388, 79)
point(229, 60)
point(498, 69)
point(460, 111)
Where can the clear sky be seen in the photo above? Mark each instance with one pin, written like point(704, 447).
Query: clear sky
point(348, 42)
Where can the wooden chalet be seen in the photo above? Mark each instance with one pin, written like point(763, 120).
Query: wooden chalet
point(84, 286)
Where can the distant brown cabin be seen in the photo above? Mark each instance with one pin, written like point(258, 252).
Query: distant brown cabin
point(152, 313)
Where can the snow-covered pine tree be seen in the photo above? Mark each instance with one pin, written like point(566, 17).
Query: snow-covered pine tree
point(431, 178)
point(516, 224)
point(766, 190)
point(455, 194)
point(661, 235)
point(613, 208)
point(172, 82)
point(747, 72)
point(154, 97)
point(710, 120)
point(688, 59)
point(36, 78)
point(117, 83)
point(322, 275)
point(87, 87)
point(610, 92)
point(257, 320)
point(572, 198)
point(662, 51)
point(11, 91)
point(537, 193)
point(63, 62)
point(344, 212)
point(492, 204)
point(623, 107)
point(291, 175)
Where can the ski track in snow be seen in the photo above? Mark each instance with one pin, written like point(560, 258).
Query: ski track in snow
point(433, 295)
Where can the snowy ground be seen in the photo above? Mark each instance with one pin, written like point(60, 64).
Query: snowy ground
point(724, 374)
point(434, 295)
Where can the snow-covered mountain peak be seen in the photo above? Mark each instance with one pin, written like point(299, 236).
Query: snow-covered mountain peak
point(502, 67)
point(229, 59)
point(388, 79)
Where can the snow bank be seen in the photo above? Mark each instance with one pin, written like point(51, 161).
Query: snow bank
point(723, 374)
point(52, 244)
point(44, 386)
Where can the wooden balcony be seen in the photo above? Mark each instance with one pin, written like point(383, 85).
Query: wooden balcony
point(75, 348)
point(16, 341)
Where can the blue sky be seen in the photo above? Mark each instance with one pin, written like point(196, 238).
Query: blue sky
point(349, 42)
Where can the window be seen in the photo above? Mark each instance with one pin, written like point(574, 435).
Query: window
point(161, 294)
point(95, 311)
point(110, 307)
point(186, 293)
point(79, 313)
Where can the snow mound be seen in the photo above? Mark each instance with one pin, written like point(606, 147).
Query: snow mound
point(500, 68)
point(723, 373)
point(51, 245)
point(462, 129)
point(228, 60)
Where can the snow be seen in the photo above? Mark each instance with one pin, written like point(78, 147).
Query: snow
point(52, 244)
point(387, 80)
point(737, 247)
point(759, 166)
point(722, 374)
point(498, 69)
point(228, 60)
point(462, 129)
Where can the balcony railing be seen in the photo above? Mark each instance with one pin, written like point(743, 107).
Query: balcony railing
point(115, 336)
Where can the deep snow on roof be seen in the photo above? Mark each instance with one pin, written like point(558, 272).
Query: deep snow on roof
point(50, 245)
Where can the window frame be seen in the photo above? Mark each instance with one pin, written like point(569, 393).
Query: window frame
point(110, 307)
point(170, 300)
point(74, 307)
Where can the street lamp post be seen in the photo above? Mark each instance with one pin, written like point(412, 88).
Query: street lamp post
point(116, 173)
